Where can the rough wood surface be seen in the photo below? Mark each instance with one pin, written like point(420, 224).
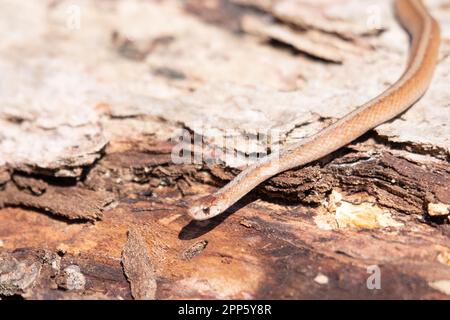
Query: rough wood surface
point(93, 205)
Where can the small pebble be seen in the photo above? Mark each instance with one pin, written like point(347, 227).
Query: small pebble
point(438, 209)
point(321, 279)
point(72, 278)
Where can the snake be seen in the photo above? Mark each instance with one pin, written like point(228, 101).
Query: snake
point(425, 38)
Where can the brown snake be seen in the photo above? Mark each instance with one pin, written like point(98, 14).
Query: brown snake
point(425, 41)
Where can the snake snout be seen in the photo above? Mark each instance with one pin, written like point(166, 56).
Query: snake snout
point(203, 208)
point(197, 212)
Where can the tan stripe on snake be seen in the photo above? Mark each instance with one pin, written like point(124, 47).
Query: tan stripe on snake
point(425, 40)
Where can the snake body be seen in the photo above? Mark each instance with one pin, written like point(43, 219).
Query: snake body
point(425, 40)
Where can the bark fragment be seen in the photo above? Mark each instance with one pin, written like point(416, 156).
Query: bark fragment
point(73, 203)
point(138, 267)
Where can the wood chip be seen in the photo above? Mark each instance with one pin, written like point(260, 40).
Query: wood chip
point(138, 267)
point(195, 249)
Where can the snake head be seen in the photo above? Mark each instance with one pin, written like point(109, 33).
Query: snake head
point(204, 208)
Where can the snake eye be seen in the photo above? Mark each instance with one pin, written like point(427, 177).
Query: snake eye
point(205, 210)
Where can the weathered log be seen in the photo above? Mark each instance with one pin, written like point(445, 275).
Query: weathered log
point(93, 205)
